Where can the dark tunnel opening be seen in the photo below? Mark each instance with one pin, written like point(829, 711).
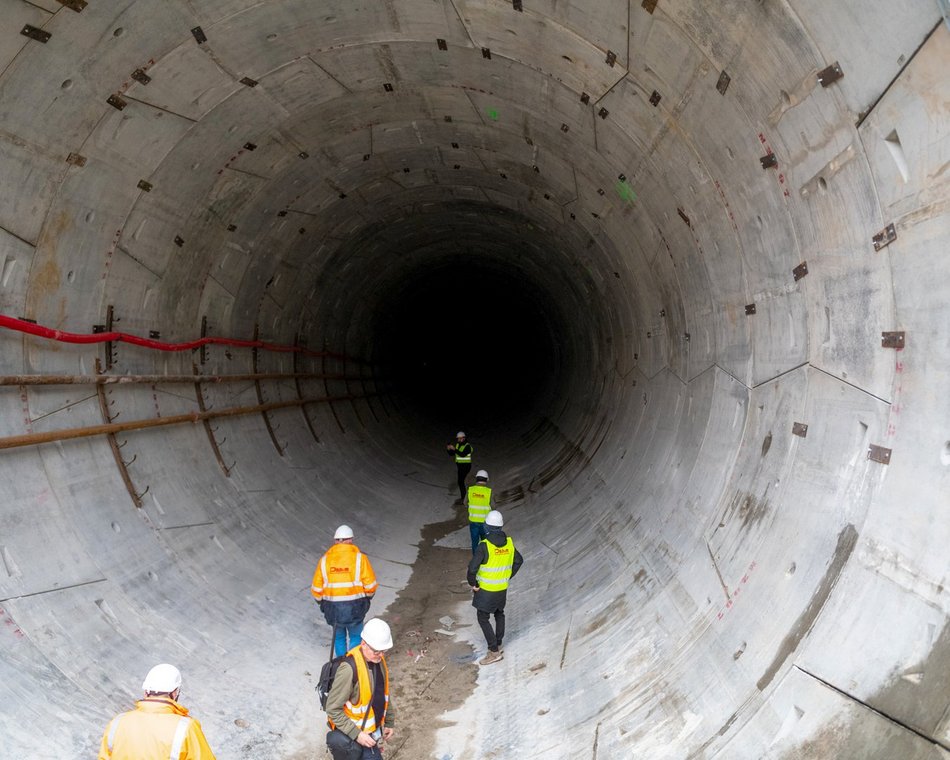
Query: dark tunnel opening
point(468, 342)
point(472, 315)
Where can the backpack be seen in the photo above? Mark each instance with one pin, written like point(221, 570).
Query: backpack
point(327, 674)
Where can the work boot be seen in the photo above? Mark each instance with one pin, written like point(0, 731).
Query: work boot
point(491, 657)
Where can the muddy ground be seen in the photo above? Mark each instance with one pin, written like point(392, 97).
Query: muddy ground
point(430, 673)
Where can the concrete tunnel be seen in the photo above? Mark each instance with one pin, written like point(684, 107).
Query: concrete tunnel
point(678, 268)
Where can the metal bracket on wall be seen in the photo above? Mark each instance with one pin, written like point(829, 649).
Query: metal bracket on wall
point(116, 102)
point(892, 339)
point(649, 5)
point(199, 35)
point(248, 82)
point(144, 185)
point(655, 99)
point(830, 74)
point(215, 446)
point(884, 238)
point(202, 351)
point(296, 371)
point(749, 309)
point(879, 454)
point(326, 387)
point(123, 466)
point(35, 33)
point(800, 429)
point(800, 271)
point(74, 5)
point(611, 58)
point(141, 77)
point(107, 327)
point(723, 83)
point(769, 160)
point(260, 395)
point(76, 159)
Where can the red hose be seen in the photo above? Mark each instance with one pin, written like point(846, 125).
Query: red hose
point(12, 323)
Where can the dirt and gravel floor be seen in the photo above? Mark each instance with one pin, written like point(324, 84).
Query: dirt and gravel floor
point(430, 673)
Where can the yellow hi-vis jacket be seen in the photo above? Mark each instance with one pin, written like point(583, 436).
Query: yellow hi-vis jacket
point(343, 574)
point(493, 575)
point(479, 503)
point(463, 453)
point(157, 729)
point(364, 707)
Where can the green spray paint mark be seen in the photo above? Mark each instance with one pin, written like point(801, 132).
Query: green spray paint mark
point(625, 191)
point(493, 114)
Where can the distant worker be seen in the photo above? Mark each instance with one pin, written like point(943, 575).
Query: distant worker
point(359, 713)
point(462, 452)
point(158, 728)
point(494, 563)
point(479, 505)
point(343, 585)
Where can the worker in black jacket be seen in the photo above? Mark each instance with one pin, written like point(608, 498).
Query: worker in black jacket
point(495, 562)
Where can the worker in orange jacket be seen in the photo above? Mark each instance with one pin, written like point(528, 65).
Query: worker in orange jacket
point(158, 728)
point(343, 586)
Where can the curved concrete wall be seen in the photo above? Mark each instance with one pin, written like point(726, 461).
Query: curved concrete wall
point(704, 577)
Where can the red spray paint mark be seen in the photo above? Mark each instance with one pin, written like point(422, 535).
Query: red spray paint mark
point(735, 593)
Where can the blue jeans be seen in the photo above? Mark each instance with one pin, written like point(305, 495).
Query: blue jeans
point(478, 533)
point(346, 631)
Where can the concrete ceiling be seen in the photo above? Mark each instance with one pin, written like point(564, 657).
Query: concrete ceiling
point(677, 200)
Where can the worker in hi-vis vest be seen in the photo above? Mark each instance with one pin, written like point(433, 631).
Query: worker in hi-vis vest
point(343, 585)
point(495, 562)
point(479, 505)
point(360, 715)
point(158, 728)
point(462, 451)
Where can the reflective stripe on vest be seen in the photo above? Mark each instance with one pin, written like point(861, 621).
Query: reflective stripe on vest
point(463, 453)
point(112, 729)
point(494, 574)
point(350, 584)
point(180, 731)
point(479, 503)
point(356, 713)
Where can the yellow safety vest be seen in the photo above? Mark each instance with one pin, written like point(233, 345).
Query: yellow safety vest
point(463, 453)
point(356, 712)
point(494, 574)
point(479, 503)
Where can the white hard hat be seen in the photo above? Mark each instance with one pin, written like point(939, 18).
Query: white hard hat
point(376, 633)
point(494, 519)
point(481, 474)
point(344, 531)
point(460, 434)
point(163, 679)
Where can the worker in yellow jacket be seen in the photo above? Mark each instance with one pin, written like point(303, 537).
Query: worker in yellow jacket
point(158, 728)
point(343, 585)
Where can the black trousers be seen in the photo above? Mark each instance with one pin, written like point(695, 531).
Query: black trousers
point(492, 636)
point(342, 747)
point(464, 469)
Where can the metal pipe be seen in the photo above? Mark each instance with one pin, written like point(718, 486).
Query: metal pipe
point(33, 439)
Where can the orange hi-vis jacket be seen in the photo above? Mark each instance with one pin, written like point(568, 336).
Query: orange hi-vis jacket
point(364, 708)
point(343, 574)
point(157, 729)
